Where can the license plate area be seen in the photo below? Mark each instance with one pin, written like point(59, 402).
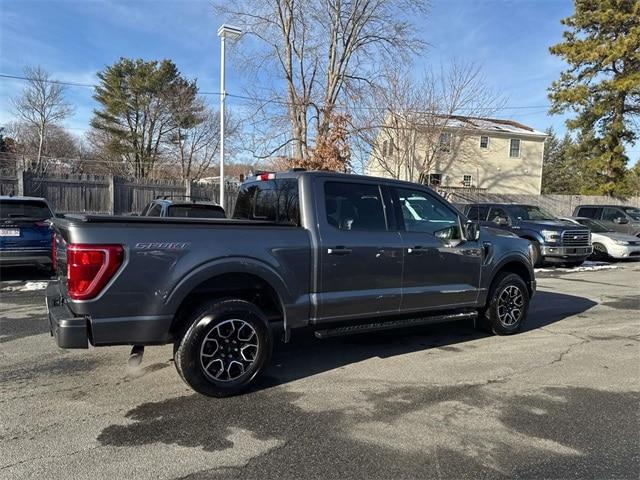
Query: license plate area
point(9, 232)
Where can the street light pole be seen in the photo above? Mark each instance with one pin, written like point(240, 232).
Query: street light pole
point(232, 33)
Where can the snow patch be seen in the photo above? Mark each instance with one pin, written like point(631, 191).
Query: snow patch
point(585, 267)
point(27, 287)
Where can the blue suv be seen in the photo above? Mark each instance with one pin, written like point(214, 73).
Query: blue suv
point(553, 240)
point(25, 236)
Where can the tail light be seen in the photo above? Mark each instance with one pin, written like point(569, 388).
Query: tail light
point(90, 267)
point(54, 253)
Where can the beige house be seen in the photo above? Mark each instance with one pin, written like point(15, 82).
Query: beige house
point(499, 156)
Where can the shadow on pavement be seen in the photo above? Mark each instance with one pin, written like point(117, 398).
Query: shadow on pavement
point(24, 274)
point(306, 356)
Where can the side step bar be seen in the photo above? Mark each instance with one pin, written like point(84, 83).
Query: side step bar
point(392, 324)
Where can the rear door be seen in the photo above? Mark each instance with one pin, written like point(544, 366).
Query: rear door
point(361, 253)
point(441, 270)
point(23, 225)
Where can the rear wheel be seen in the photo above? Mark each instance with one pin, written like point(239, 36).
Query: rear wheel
point(507, 305)
point(226, 347)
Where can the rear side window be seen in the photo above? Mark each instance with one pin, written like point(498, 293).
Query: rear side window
point(272, 200)
point(354, 206)
point(589, 212)
point(196, 211)
point(24, 209)
point(478, 212)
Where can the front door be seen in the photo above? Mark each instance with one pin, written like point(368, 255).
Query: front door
point(360, 252)
point(612, 217)
point(441, 269)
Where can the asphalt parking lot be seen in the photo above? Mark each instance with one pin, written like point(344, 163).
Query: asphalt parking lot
point(559, 400)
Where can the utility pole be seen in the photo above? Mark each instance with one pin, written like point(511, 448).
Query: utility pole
point(232, 33)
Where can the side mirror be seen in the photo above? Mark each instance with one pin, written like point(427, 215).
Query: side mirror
point(472, 230)
point(620, 220)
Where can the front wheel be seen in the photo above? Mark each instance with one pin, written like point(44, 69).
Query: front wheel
point(227, 346)
point(537, 260)
point(507, 305)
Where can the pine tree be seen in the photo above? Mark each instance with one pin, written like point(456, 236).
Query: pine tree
point(139, 111)
point(560, 165)
point(601, 85)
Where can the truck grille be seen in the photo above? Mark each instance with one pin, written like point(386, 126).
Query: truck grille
point(576, 238)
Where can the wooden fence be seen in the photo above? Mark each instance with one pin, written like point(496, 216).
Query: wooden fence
point(71, 193)
point(560, 205)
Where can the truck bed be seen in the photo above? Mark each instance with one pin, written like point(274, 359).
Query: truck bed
point(132, 219)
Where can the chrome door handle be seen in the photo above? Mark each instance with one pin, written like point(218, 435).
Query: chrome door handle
point(417, 250)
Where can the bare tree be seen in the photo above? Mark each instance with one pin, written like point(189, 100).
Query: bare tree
point(197, 144)
point(408, 127)
point(41, 106)
point(323, 51)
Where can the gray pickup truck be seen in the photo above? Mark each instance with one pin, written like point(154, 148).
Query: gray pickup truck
point(339, 253)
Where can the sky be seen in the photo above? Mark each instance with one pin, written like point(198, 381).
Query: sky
point(73, 39)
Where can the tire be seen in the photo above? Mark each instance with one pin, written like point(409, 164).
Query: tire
point(538, 259)
point(600, 252)
point(492, 318)
point(226, 346)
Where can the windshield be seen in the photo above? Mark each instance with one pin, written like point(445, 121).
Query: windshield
point(632, 212)
point(24, 209)
point(196, 211)
point(595, 227)
point(529, 212)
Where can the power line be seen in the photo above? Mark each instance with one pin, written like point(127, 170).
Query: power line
point(285, 102)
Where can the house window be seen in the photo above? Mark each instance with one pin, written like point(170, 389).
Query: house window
point(467, 180)
point(384, 148)
point(484, 142)
point(445, 142)
point(435, 179)
point(514, 147)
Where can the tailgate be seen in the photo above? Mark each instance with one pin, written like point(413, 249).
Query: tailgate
point(60, 257)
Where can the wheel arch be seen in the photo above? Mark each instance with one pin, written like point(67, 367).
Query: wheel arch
point(248, 280)
point(518, 265)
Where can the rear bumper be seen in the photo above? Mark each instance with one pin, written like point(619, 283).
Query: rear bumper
point(69, 330)
point(77, 331)
point(566, 252)
point(25, 257)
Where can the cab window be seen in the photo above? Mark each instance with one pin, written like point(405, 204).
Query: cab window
point(354, 206)
point(155, 211)
point(423, 213)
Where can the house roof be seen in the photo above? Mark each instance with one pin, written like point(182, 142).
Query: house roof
point(494, 125)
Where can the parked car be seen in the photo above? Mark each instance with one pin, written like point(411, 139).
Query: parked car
point(25, 236)
point(554, 240)
point(608, 243)
point(619, 218)
point(341, 253)
point(182, 207)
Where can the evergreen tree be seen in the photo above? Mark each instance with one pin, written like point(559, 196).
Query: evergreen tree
point(601, 85)
point(139, 111)
point(559, 165)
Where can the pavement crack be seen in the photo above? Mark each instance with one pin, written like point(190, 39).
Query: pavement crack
point(30, 460)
